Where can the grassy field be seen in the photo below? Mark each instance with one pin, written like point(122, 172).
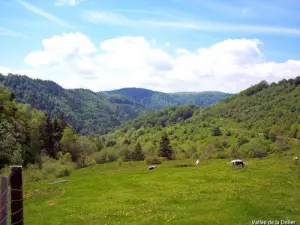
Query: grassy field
point(212, 193)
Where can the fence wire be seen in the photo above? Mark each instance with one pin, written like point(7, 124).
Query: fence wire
point(6, 205)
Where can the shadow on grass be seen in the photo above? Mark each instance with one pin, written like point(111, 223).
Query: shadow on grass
point(184, 165)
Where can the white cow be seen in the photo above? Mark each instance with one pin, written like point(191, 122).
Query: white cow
point(237, 162)
point(151, 167)
point(296, 160)
point(197, 162)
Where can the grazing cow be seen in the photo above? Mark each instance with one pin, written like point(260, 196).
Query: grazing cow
point(197, 162)
point(151, 167)
point(237, 162)
point(296, 160)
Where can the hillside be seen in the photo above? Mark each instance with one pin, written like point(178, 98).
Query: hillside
point(158, 100)
point(262, 120)
point(86, 111)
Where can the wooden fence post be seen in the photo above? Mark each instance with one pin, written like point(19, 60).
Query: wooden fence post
point(4, 200)
point(16, 183)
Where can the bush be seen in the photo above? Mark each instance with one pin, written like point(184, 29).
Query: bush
point(32, 175)
point(100, 157)
point(111, 157)
point(153, 160)
point(50, 168)
point(54, 168)
point(221, 155)
point(90, 161)
point(63, 171)
point(242, 140)
point(196, 155)
point(216, 131)
point(64, 158)
point(228, 133)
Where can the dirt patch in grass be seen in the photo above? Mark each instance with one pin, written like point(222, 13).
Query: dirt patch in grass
point(41, 192)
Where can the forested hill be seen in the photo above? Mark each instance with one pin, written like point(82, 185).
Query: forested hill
point(262, 107)
point(97, 113)
point(258, 121)
point(158, 100)
point(86, 111)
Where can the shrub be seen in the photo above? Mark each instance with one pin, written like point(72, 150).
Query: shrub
point(196, 155)
point(100, 157)
point(153, 160)
point(50, 168)
point(32, 175)
point(221, 155)
point(111, 157)
point(216, 131)
point(228, 133)
point(54, 168)
point(90, 161)
point(64, 158)
point(242, 140)
point(63, 171)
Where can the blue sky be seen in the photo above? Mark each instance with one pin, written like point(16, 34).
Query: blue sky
point(164, 26)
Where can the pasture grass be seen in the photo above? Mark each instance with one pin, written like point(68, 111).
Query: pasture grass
point(174, 193)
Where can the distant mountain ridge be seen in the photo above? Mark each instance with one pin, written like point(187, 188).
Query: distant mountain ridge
point(157, 100)
point(97, 113)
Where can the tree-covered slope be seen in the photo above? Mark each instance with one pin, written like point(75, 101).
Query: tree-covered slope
point(263, 107)
point(262, 120)
point(97, 113)
point(158, 100)
point(86, 111)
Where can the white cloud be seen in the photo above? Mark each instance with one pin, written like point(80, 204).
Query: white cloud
point(67, 2)
point(232, 65)
point(43, 13)
point(4, 70)
point(32, 73)
point(167, 44)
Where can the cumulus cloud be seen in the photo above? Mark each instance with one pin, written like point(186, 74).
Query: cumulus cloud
point(32, 73)
point(232, 65)
point(4, 70)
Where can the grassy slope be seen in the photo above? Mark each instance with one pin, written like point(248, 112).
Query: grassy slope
point(213, 193)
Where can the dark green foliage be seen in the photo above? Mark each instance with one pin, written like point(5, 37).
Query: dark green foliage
point(21, 131)
point(111, 143)
point(228, 133)
point(162, 118)
point(216, 131)
point(97, 113)
point(153, 160)
point(234, 151)
point(126, 142)
point(242, 140)
point(157, 100)
point(261, 107)
point(256, 88)
point(165, 149)
point(250, 121)
point(138, 154)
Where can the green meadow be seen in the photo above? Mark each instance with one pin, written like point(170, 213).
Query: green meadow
point(177, 192)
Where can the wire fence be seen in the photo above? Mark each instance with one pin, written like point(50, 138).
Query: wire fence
point(11, 207)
